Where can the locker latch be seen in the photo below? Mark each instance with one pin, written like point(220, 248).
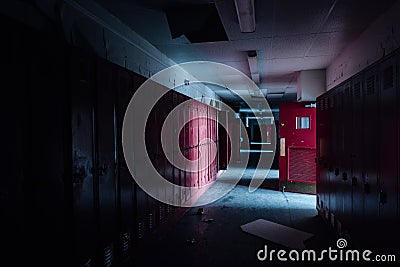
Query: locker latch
point(354, 181)
point(367, 188)
point(100, 171)
point(79, 174)
point(344, 176)
point(382, 197)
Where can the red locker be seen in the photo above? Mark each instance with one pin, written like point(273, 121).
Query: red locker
point(222, 141)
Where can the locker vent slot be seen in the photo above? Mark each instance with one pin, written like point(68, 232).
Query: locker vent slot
point(140, 230)
point(326, 103)
point(370, 88)
point(108, 257)
point(347, 91)
point(357, 90)
point(151, 220)
point(332, 101)
point(388, 78)
point(169, 208)
point(161, 212)
point(302, 165)
point(126, 239)
point(88, 263)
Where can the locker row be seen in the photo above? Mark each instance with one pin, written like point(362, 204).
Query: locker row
point(67, 186)
point(195, 124)
point(358, 152)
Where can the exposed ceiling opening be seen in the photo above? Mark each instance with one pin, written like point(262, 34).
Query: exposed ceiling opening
point(289, 36)
point(198, 22)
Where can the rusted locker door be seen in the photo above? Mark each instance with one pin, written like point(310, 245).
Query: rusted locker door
point(357, 153)
point(389, 136)
point(126, 197)
point(85, 199)
point(371, 143)
point(105, 129)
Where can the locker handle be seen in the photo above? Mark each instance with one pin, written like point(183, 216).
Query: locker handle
point(336, 171)
point(344, 176)
point(330, 169)
point(382, 197)
point(354, 181)
point(100, 171)
point(367, 188)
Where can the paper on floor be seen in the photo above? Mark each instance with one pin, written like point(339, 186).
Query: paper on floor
point(277, 233)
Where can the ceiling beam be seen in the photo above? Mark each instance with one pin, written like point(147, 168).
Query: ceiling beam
point(253, 65)
point(246, 15)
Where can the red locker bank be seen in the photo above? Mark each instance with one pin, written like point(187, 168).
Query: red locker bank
point(297, 166)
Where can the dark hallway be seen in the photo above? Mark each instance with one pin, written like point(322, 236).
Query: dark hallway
point(216, 239)
point(196, 133)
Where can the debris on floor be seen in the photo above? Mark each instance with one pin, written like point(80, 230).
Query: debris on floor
point(200, 211)
point(191, 241)
point(277, 233)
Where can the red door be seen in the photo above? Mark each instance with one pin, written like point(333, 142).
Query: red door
point(297, 168)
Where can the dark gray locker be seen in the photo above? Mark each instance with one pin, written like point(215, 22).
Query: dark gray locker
point(84, 197)
point(48, 153)
point(105, 160)
point(15, 135)
point(126, 198)
point(332, 164)
point(357, 152)
point(346, 156)
point(389, 139)
point(371, 142)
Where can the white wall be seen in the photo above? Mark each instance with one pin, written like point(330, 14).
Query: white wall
point(379, 39)
point(310, 84)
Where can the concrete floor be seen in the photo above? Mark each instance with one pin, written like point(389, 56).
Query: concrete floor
point(221, 242)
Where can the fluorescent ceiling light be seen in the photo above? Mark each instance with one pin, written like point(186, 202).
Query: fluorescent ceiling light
point(246, 15)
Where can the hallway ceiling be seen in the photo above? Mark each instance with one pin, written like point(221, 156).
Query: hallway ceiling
point(289, 36)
